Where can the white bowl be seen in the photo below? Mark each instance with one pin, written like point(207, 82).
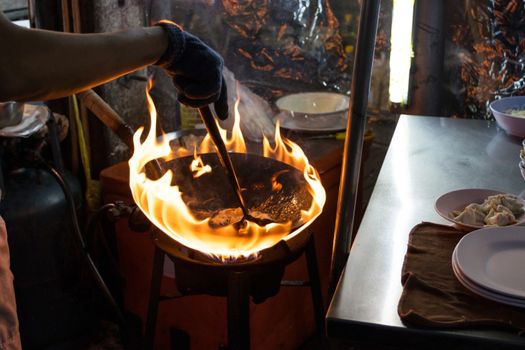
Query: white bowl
point(313, 111)
point(512, 124)
point(313, 103)
point(522, 169)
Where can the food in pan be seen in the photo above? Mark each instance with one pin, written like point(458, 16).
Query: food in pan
point(230, 216)
point(497, 210)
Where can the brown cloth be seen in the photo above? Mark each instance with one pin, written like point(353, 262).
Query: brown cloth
point(433, 297)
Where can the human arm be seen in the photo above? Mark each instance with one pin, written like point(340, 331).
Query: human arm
point(40, 64)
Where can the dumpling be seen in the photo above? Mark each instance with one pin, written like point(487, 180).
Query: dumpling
point(510, 201)
point(514, 204)
point(492, 202)
point(472, 215)
point(497, 210)
point(500, 216)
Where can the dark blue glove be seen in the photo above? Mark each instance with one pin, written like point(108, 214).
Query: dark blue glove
point(196, 70)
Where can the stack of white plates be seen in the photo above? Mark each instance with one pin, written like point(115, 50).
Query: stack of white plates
point(491, 263)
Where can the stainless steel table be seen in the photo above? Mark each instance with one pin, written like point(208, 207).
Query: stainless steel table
point(428, 156)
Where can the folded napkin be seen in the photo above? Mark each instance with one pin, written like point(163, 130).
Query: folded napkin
point(433, 297)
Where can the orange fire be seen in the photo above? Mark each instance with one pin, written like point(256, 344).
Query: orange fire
point(197, 165)
point(164, 206)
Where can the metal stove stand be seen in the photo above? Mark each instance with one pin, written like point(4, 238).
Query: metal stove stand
point(237, 285)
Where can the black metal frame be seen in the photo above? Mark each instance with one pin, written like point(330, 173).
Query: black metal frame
point(353, 148)
point(238, 299)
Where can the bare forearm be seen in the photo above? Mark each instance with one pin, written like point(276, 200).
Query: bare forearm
point(42, 64)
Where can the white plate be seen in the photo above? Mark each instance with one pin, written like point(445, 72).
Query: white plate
point(459, 199)
point(485, 293)
point(318, 111)
point(332, 123)
point(494, 258)
point(314, 103)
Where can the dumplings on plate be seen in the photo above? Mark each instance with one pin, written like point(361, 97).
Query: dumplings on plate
point(497, 210)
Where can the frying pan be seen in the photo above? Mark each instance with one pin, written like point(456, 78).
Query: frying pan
point(213, 193)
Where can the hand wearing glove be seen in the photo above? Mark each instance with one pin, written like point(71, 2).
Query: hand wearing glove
point(196, 70)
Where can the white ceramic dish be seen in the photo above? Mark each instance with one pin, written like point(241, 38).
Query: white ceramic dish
point(313, 125)
point(313, 103)
point(459, 199)
point(313, 111)
point(494, 259)
point(485, 293)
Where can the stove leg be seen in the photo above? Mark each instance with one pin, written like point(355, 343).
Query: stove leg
point(315, 285)
point(238, 311)
point(154, 298)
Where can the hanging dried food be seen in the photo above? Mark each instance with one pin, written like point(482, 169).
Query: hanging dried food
point(484, 55)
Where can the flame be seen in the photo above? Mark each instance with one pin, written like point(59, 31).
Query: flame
point(276, 185)
point(198, 166)
point(164, 206)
